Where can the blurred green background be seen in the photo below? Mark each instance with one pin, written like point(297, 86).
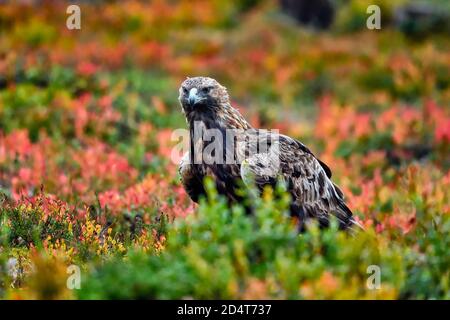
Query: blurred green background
point(86, 175)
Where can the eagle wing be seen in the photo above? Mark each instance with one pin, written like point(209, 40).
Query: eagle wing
point(314, 195)
point(225, 176)
point(190, 178)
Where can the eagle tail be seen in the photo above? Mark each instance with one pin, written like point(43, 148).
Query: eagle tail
point(346, 219)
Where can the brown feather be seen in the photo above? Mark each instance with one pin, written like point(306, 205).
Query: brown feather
point(314, 195)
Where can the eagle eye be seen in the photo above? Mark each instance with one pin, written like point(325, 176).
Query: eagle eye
point(185, 90)
point(205, 90)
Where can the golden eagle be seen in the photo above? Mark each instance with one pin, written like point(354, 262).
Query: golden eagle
point(208, 111)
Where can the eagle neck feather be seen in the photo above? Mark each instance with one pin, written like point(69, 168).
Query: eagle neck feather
point(223, 116)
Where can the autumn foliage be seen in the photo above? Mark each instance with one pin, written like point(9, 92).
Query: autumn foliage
point(87, 178)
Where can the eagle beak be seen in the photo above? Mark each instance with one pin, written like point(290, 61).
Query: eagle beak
point(193, 97)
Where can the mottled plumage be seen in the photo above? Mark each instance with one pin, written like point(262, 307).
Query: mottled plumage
point(204, 101)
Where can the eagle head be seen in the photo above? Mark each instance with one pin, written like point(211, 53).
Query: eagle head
point(202, 93)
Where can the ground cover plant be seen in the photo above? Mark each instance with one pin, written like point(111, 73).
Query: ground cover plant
point(88, 177)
